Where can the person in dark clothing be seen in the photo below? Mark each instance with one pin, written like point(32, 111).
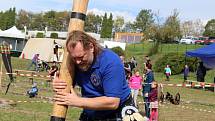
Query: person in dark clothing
point(127, 67)
point(53, 69)
point(186, 72)
point(153, 99)
point(147, 88)
point(201, 72)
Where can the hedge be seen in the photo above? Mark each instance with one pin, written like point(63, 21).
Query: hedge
point(176, 62)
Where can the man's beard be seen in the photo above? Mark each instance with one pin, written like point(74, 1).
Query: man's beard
point(84, 67)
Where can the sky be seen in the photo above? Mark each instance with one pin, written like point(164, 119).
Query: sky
point(129, 9)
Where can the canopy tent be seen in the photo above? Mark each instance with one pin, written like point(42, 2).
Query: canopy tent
point(44, 47)
point(206, 54)
point(13, 32)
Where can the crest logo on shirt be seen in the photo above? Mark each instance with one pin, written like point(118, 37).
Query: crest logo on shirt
point(95, 80)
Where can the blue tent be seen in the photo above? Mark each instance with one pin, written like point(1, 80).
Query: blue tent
point(206, 54)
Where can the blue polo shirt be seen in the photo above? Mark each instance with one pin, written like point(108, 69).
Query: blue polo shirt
point(106, 77)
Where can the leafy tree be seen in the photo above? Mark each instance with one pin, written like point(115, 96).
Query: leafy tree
point(118, 23)
point(172, 28)
point(144, 20)
point(210, 28)
point(192, 28)
point(118, 50)
point(104, 28)
point(93, 23)
point(110, 26)
point(7, 18)
point(129, 27)
point(23, 19)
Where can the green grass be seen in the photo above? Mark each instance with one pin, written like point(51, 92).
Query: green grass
point(197, 98)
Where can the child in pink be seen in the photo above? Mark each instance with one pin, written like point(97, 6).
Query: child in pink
point(135, 83)
point(153, 99)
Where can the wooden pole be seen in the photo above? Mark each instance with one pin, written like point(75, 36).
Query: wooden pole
point(67, 69)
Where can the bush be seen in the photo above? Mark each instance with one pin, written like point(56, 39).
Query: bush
point(118, 51)
point(54, 35)
point(176, 62)
point(40, 35)
point(154, 49)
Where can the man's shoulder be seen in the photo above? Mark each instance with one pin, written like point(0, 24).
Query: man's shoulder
point(109, 56)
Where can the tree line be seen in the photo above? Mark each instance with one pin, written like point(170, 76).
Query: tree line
point(151, 24)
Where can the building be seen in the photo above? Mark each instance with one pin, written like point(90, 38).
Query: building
point(128, 37)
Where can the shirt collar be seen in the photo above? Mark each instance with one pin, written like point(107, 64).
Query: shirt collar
point(96, 63)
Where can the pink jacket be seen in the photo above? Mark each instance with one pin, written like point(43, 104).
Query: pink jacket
point(135, 82)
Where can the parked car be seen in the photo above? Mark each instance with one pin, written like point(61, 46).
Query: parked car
point(187, 40)
point(201, 40)
point(209, 40)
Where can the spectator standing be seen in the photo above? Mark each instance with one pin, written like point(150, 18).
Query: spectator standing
point(201, 72)
point(135, 84)
point(186, 72)
point(167, 72)
point(153, 99)
point(127, 67)
point(34, 62)
point(147, 88)
point(53, 69)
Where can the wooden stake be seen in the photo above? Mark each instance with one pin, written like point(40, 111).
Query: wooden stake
point(67, 68)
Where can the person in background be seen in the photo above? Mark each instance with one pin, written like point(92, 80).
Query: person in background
point(53, 69)
point(186, 72)
point(34, 62)
point(133, 63)
point(167, 72)
point(135, 83)
point(153, 99)
point(127, 68)
point(33, 91)
point(147, 88)
point(201, 72)
point(147, 62)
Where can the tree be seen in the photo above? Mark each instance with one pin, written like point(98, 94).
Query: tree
point(37, 22)
point(110, 26)
point(107, 26)
point(23, 19)
point(7, 18)
point(172, 28)
point(129, 27)
point(118, 23)
point(144, 20)
point(210, 28)
point(93, 23)
point(192, 28)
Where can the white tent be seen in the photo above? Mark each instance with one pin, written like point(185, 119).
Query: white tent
point(44, 47)
point(13, 32)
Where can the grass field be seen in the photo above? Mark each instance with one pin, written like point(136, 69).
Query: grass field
point(196, 105)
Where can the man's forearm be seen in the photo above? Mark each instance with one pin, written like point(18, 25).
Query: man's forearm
point(99, 103)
